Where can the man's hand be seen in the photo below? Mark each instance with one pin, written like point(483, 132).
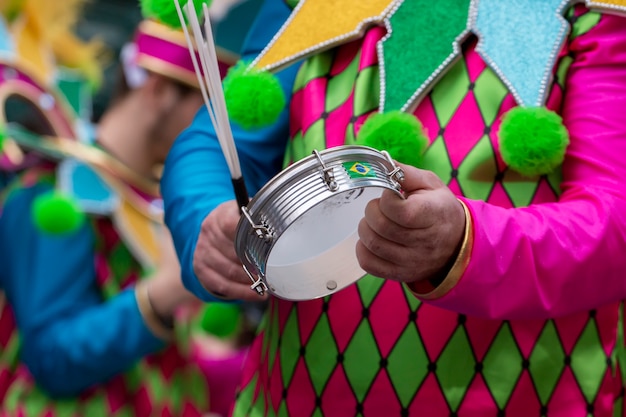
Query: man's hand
point(215, 261)
point(412, 239)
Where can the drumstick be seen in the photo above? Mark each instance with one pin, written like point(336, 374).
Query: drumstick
point(212, 91)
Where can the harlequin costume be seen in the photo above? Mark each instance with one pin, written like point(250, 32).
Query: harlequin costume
point(528, 322)
point(87, 334)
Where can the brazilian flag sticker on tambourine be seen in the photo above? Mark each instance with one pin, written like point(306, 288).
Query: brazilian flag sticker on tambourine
point(359, 169)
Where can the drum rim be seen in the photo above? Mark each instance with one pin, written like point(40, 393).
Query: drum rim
point(303, 165)
point(261, 204)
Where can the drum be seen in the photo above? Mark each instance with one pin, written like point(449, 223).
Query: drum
point(296, 238)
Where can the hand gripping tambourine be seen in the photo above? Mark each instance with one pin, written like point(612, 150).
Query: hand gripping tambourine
point(297, 236)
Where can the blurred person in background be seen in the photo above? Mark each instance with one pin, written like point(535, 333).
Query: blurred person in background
point(90, 275)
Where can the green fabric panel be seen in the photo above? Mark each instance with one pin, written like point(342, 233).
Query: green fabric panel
point(618, 407)
point(476, 172)
point(294, 147)
point(289, 347)
point(273, 342)
point(244, 398)
point(282, 410)
point(350, 135)
point(97, 407)
point(408, 69)
point(589, 361)
point(36, 403)
point(109, 289)
point(196, 389)
point(12, 396)
point(314, 138)
point(361, 372)
point(270, 411)
point(449, 92)
point(520, 189)
point(321, 354)
point(585, 23)
point(502, 366)
point(407, 376)
point(413, 302)
point(156, 386)
point(11, 352)
point(366, 91)
point(258, 408)
point(546, 362)
point(134, 376)
point(368, 287)
point(66, 408)
point(316, 67)
point(562, 70)
point(175, 396)
point(436, 160)
point(555, 178)
point(619, 353)
point(340, 86)
point(456, 367)
point(489, 92)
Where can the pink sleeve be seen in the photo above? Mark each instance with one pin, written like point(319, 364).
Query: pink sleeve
point(554, 259)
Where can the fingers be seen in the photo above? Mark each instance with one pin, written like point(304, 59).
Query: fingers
point(217, 234)
point(215, 260)
point(415, 237)
point(421, 189)
point(223, 277)
point(380, 266)
point(222, 287)
point(395, 246)
point(398, 222)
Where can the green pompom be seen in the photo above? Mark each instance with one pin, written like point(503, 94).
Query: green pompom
point(164, 11)
point(533, 140)
point(56, 214)
point(254, 98)
point(398, 133)
point(221, 319)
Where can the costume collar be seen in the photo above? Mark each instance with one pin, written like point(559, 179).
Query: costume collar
point(522, 51)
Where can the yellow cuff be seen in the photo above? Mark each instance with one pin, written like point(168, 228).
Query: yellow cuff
point(150, 317)
point(425, 290)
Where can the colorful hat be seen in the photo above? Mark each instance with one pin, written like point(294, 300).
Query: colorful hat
point(164, 51)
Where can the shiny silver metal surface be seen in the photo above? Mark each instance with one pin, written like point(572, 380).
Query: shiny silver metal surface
point(297, 235)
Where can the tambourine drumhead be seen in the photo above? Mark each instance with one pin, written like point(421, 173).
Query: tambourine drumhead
point(300, 231)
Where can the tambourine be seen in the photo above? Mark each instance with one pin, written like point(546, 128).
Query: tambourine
point(296, 238)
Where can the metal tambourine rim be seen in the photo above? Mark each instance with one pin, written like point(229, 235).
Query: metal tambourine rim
point(284, 184)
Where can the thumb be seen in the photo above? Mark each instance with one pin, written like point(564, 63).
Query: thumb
point(416, 179)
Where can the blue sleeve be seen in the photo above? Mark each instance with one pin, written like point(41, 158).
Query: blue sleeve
point(196, 178)
point(71, 339)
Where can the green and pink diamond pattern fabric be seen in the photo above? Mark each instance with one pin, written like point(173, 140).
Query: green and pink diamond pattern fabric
point(373, 349)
